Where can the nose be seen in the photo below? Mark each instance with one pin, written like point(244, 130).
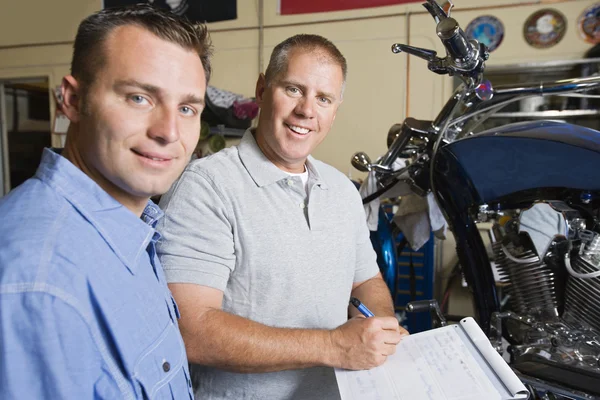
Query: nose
point(305, 108)
point(164, 126)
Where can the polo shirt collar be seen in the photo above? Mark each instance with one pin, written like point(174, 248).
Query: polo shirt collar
point(127, 234)
point(262, 170)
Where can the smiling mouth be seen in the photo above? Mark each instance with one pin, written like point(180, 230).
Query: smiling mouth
point(298, 129)
point(150, 157)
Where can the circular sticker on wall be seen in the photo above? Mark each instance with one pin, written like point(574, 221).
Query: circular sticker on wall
point(589, 24)
point(545, 28)
point(486, 29)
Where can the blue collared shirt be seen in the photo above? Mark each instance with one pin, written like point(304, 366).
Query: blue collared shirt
point(85, 311)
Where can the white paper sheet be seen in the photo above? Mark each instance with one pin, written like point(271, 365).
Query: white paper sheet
point(506, 375)
point(432, 365)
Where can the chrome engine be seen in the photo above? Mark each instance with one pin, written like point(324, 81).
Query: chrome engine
point(548, 259)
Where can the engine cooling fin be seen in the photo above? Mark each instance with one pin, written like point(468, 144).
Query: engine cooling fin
point(531, 282)
point(582, 294)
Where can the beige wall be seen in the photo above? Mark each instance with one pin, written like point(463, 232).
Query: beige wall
point(26, 22)
point(36, 38)
point(376, 95)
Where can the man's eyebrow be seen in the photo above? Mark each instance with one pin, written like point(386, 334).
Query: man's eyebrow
point(132, 82)
point(155, 90)
point(193, 99)
point(293, 83)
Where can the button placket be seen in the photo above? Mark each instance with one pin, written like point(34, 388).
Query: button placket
point(151, 249)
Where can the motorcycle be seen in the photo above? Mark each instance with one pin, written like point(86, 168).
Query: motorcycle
point(539, 185)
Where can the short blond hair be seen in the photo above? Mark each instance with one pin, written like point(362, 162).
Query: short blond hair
point(305, 42)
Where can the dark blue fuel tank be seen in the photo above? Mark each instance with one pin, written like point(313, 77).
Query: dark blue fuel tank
point(527, 155)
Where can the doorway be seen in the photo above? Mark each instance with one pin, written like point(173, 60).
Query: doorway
point(25, 129)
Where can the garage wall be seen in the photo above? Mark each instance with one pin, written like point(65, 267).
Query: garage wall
point(39, 44)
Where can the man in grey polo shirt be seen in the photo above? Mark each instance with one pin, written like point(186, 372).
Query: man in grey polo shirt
point(263, 246)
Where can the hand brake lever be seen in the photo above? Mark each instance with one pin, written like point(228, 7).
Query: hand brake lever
point(425, 54)
point(434, 63)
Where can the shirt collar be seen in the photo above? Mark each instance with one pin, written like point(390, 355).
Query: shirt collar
point(262, 170)
point(125, 233)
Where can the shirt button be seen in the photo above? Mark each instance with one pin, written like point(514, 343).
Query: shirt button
point(166, 366)
point(290, 182)
point(302, 205)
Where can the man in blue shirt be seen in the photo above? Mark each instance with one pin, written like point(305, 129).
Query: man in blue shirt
point(85, 311)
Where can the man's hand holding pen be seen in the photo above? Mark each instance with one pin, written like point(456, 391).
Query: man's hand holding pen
point(365, 341)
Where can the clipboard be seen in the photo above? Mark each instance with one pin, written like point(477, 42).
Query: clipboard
point(452, 362)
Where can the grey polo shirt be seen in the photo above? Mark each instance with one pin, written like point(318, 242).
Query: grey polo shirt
point(282, 257)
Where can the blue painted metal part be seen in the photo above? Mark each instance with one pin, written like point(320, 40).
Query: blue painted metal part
point(491, 166)
point(423, 264)
point(529, 155)
point(395, 268)
point(385, 247)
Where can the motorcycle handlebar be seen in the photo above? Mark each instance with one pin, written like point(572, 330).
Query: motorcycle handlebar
point(502, 96)
point(402, 139)
point(555, 87)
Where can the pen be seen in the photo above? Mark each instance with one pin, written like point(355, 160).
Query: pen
point(361, 307)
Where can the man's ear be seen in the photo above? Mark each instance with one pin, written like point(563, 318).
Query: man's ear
point(71, 92)
point(261, 85)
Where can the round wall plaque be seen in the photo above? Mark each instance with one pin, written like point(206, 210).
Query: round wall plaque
point(486, 29)
point(545, 28)
point(589, 24)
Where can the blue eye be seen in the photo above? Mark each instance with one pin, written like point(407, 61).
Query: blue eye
point(188, 110)
point(324, 100)
point(293, 90)
point(137, 99)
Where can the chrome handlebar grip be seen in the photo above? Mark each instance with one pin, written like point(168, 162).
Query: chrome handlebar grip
point(463, 55)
